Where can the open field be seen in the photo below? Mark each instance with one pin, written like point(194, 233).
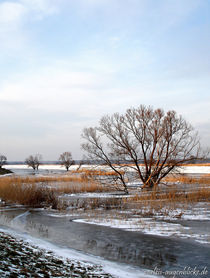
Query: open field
point(84, 189)
point(178, 209)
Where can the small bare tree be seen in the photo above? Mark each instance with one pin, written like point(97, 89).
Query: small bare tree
point(161, 141)
point(81, 162)
point(66, 160)
point(3, 160)
point(34, 161)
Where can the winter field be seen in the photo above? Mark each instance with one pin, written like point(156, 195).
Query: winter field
point(79, 224)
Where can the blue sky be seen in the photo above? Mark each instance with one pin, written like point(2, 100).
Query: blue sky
point(66, 63)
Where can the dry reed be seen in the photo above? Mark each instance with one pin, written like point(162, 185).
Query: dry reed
point(35, 191)
point(13, 190)
point(205, 179)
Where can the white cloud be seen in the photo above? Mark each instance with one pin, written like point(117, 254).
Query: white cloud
point(14, 16)
point(40, 8)
point(47, 109)
point(55, 90)
point(11, 13)
point(11, 16)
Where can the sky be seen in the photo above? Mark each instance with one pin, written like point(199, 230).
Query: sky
point(67, 63)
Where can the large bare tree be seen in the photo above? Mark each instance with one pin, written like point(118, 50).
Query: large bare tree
point(161, 141)
point(3, 160)
point(66, 160)
point(34, 161)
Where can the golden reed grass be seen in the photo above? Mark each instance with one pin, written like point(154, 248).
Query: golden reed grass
point(198, 164)
point(36, 190)
point(175, 195)
point(86, 173)
point(13, 190)
point(163, 203)
point(205, 179)
point(81, 187)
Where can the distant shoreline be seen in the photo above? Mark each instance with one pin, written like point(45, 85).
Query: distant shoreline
point(205, 162)
point(4, 171)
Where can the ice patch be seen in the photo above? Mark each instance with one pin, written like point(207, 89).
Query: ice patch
point(149, 226)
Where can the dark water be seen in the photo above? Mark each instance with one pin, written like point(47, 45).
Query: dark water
point(133, 248)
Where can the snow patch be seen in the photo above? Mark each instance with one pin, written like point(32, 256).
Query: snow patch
point(149, 226)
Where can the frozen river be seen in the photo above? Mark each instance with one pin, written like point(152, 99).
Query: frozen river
point(134, 249)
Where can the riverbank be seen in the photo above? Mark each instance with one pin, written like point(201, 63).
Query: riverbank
point(4, 171)
point(60, 260)
point(19, 259)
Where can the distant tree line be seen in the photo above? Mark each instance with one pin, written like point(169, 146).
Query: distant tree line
point(34, 161)
point(65, 159)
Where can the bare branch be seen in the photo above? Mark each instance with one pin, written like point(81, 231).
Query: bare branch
point(66, 160)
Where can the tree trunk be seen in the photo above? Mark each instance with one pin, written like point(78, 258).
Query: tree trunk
point(151, 183)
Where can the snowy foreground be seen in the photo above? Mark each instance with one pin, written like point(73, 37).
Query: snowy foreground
point(22, 256)
point(21, 259)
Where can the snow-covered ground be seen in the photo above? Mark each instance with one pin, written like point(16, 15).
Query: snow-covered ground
point(20, 259)
point(89, 265)
point(95, 195)
point(195, 169)
point(184, 169)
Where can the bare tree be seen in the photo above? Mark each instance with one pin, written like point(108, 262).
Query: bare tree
point(34, 161)
point(81, 162)
point(161, 141)
point(66, 160)
point(3, 160)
